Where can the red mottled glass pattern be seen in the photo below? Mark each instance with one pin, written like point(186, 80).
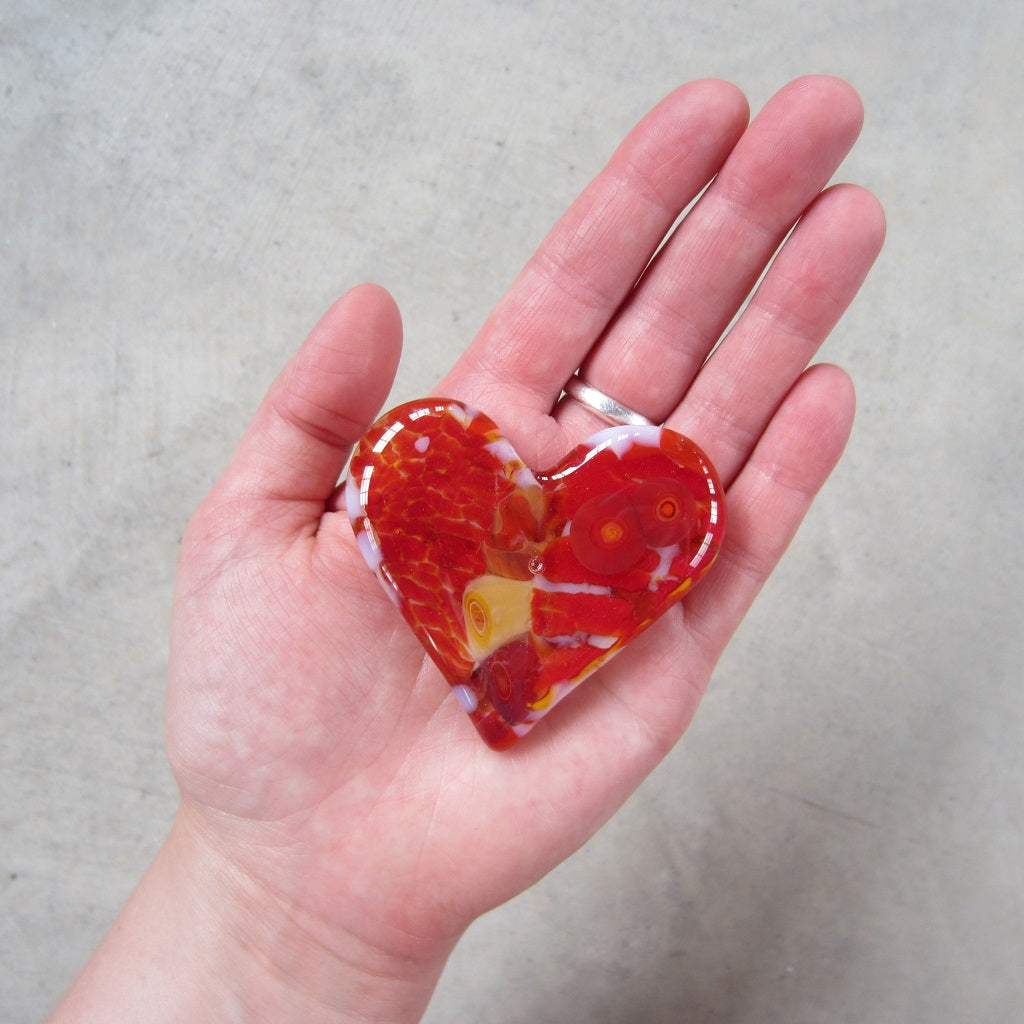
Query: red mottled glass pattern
point(520, 584)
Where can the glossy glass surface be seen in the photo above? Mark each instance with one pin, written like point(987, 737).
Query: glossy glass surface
point(520, 584)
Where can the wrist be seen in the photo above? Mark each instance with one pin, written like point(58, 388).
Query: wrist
point(201, 940)
point(267, 962)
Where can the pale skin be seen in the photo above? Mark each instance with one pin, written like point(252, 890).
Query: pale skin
point(341, 823)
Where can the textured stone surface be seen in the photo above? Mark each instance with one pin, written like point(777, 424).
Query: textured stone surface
point(186, 187)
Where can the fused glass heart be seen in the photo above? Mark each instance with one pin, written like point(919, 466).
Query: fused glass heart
point(520, 584)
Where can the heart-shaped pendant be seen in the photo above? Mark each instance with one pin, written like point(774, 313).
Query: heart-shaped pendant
point(520, 584)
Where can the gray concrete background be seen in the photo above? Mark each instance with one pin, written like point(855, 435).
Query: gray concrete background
point(185, 187)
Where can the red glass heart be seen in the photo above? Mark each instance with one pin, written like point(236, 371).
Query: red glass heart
point(520, 584)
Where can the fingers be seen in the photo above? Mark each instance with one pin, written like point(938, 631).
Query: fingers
point(569, 291)
point(319, 406)
point(768, 500)
point(701, 277)
point(812, 281)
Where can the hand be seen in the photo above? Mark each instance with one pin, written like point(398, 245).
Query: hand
point(341, 822)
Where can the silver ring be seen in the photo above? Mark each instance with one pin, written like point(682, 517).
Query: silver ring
point(604, 405)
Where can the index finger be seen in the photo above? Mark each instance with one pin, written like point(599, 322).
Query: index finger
point(570, 289)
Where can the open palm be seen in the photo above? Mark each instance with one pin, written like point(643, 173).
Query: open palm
point(317, 748)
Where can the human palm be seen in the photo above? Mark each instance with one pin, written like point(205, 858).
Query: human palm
point(317, 747)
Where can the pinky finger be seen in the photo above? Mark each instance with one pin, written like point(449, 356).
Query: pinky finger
point(769, 499)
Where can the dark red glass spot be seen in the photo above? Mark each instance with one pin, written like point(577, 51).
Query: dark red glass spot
point(606, 535)
point(667, 511)
point(506, 677)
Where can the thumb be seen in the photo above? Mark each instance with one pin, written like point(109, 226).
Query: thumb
point(317, 408)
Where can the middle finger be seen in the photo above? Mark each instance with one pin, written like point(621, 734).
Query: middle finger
point(655, 345)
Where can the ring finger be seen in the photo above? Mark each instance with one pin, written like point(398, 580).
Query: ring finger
point(653, 348)
point(806, 290)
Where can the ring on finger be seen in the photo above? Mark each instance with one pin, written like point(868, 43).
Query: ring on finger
point(607, 408)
